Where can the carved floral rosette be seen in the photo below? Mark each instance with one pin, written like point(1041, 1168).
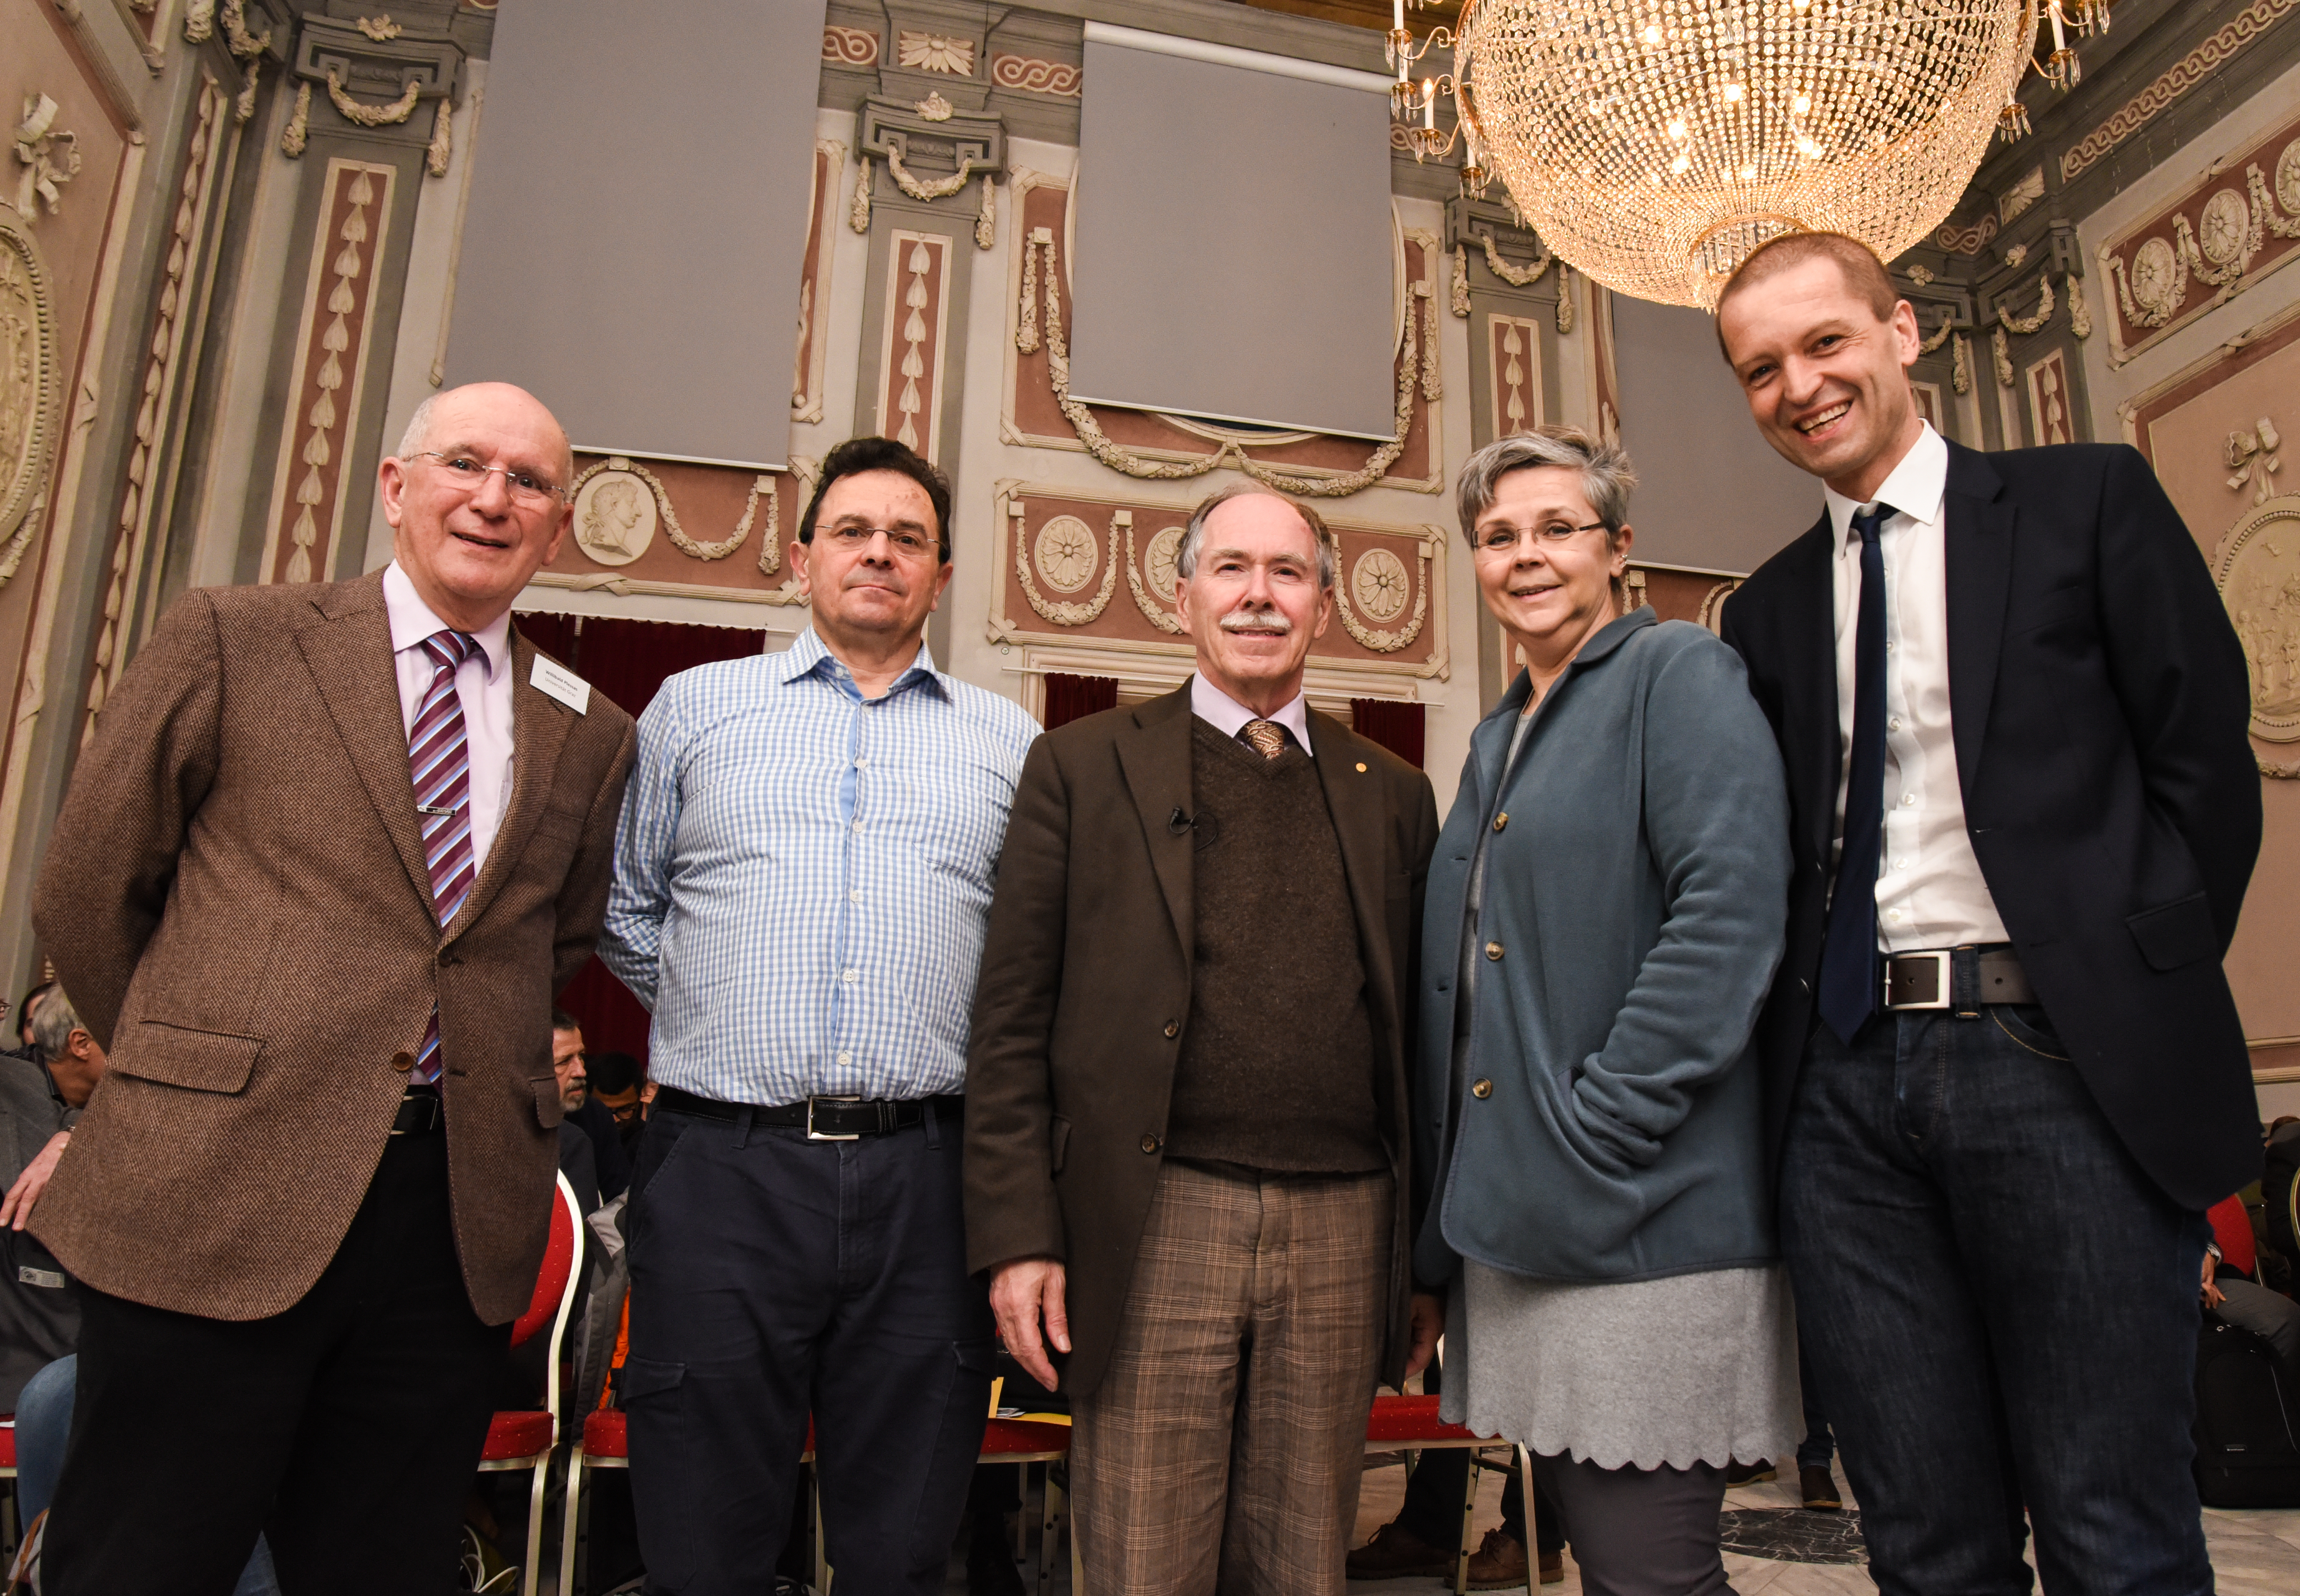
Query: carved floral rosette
point(1094, 570)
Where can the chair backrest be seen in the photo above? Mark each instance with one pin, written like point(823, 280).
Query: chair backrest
point(555, 1283)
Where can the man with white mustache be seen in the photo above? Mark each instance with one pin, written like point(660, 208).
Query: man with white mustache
point(2004, 1075)
point(1186, 1138)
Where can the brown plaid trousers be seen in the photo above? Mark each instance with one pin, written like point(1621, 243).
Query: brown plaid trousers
point(1223, 1447)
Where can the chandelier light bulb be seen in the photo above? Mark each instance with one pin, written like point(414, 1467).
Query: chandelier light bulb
point(1653, 33)
point(1732, 94)
point(1677, 130)
point(1801, 105)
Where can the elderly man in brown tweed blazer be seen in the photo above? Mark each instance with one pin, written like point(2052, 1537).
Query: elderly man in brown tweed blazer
point(1185, 1132)
point(332, 851)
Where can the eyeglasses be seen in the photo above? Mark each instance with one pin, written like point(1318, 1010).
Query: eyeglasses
point(1503, 540)
point(526, 488)
point(908, 542)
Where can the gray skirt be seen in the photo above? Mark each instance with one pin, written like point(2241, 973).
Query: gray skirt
point(1693, 1368)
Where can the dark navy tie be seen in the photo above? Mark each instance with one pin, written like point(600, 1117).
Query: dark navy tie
point(1851, 978)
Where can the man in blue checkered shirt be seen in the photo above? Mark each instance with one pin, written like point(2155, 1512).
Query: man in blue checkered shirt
point(802, 884)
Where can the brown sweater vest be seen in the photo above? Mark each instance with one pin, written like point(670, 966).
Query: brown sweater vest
point(1276, 1069)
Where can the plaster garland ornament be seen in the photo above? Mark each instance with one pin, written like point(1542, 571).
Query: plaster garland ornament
point(2016, 255)
point(1039, 243)
point(199, 21)
point(2254, 457)
point(236, 36)
point(1565, 312)
point(934, 108)
point(1516, 277)
point(1119, 458)
point(2287, 193)
point(858, 213)
point(378, 28)
point(12, 558)
point(2155, 286)
point(2079, 312)
point(920, 189)
point(2035, 320)
point(244, 107)
point(2000, 349)
point(342, 300)
point(1071, 614)
point(49, 154)
point(373, 116)
point(915, 300)
point(1460, 304)
point(1427, 292)
point(442, 147)
point(163, 348)
point(986, 219)
point(763, 487)
point(1158, 557)
point(297, 134)
point(1920, 276)
point(1388, 576)
point(29, 383)
point(1959, 368)
point(1933, 344)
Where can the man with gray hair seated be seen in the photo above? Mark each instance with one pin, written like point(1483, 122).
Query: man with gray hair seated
point(40, 1100)
point(1185, 1133)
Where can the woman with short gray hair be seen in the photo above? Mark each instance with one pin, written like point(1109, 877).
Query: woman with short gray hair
point(1605, 910)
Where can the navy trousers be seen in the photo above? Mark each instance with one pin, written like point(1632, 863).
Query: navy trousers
point(2000, 1310)
point(772, 1276)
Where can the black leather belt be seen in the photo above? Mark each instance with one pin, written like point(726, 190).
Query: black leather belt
point(823, 1118)
point(420, 1112)
point(1930, 979)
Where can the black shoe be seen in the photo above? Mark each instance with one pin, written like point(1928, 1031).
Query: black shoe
point(1737, 1473)
point(1820, 1488)
point(990, 1569)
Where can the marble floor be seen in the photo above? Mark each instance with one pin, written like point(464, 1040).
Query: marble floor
point(2254, 1552)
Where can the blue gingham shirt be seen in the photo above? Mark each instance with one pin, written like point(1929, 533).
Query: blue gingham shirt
point(802, 876)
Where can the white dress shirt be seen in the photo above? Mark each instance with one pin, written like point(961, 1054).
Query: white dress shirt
point(1930, 889)
point(1229, 716)
point(483, 685)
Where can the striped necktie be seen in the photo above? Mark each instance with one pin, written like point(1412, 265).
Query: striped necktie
point(439, 759)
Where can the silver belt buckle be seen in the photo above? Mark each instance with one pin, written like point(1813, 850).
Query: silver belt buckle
point(1942, 976)
point(814, 1135)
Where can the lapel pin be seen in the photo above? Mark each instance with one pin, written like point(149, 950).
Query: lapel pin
point(1361, 770)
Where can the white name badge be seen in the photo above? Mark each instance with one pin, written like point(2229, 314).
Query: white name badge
point(562, 684)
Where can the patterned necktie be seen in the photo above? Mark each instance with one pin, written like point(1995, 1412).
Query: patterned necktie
point(1850, 976)
point(439, 759)
point(1268, 738)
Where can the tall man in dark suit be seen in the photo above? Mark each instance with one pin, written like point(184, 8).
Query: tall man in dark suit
point(1186, 1136)
point(330, 855)
point(2005, 1073)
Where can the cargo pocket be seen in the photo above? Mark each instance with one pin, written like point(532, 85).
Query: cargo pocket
point(654, 1394)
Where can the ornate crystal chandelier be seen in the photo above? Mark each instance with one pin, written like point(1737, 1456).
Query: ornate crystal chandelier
point(1655, 143)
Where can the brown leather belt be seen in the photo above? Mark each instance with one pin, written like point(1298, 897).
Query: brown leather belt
point(1928, 980)
point(823, 1118)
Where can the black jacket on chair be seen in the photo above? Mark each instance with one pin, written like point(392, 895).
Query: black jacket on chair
point(2100, 701)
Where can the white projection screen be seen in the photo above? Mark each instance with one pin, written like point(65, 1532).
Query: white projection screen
point(637, 220)
point(1712, 493)
point(1233, 237)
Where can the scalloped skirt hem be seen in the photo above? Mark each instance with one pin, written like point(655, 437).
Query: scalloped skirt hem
point(1671, 1373)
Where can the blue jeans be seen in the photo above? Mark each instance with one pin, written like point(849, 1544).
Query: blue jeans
point(2000, 1310)
point(43, 1423)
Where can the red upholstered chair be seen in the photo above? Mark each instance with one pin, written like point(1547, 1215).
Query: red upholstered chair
point(1023, 1442)
point(517, 1441)
point(1402, 1424)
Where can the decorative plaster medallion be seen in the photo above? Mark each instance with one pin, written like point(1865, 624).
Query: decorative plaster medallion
point(2022, 195)
point(2154, 268)
point(1067, 553)
point(1381, 585)
point(2287, 177)
point(2222, 227)
point(2259, 578)
point(379, 29)
point(615, 518)
point(28, 373)
point(1158, 561)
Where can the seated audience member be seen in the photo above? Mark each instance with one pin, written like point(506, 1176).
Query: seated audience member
point(39, 1103)
point(2283, 1161)
point(2239, 1300)
point(571, 1062)
point(25, 1007)
point(619, 1084)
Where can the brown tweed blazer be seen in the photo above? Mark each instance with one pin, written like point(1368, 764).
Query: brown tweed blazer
point(237, 899)
point(1085, 995)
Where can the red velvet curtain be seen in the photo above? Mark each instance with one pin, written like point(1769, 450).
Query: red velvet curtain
point(1073, 697)
point(628, 661)
point(1397, 726)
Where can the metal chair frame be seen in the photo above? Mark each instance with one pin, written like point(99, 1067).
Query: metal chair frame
point(538, 1463)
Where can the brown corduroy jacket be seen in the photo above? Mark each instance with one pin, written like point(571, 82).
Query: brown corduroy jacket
point(1085, 996)
point(236, 897)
